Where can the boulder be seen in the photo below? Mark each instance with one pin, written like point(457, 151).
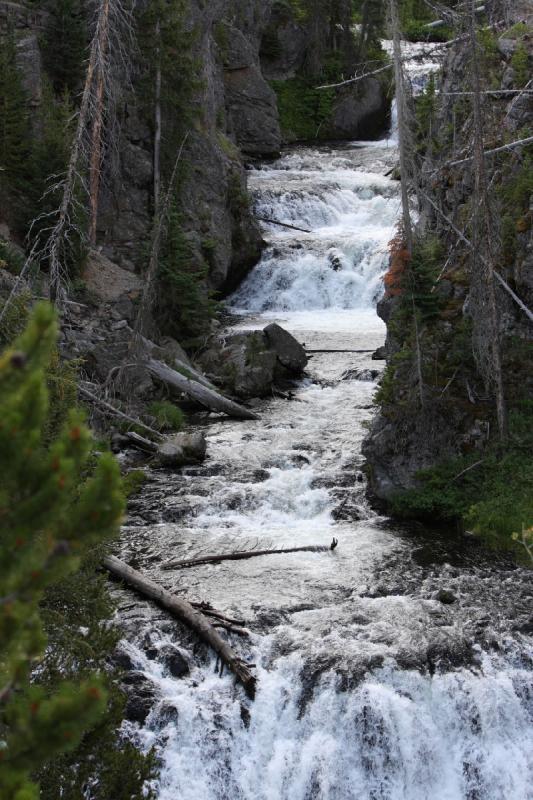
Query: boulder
point(289, 351)
point(181, 449)
point(360, 112)
point(243, 365)
point(174, 661)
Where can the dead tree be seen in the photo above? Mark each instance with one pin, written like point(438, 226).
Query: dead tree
point(243, 555)
point(185, 612)
point(485, 317)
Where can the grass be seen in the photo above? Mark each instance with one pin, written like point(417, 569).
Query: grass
point(168, 417)
point(490, 492)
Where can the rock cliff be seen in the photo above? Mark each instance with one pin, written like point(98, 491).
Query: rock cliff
point(458, 418)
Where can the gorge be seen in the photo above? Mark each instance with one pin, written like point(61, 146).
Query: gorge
point(368, 327)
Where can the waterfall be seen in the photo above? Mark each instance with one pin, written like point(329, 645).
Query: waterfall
point(369, 687)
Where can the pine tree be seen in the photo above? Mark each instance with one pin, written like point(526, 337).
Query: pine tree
point(15, 134)
point(183, 299)
point(50, 514)
point(64, 46)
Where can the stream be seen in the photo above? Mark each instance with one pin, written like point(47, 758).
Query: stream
point(398, 667)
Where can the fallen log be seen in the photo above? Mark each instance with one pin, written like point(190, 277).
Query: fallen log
point(284, 224)
point(185, 612)
point(199, 392)
point(245, 554)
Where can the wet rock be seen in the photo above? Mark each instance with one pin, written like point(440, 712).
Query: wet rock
point(446, 597)
point(288, 350)
point(174, 661)
point(141, 696)
point(361, 375)
point(121, 658)
point(380, 354)
point(181, 449)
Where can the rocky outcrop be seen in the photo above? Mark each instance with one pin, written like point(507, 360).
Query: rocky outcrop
point(360, 111)
point(251, 363)
point(458, 416)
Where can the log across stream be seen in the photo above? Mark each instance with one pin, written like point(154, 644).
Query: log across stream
point(366, 684)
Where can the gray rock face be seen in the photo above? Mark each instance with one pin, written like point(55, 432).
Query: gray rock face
point(283, 46)
point(253, 111)
point(289, 351)
point(360, 111)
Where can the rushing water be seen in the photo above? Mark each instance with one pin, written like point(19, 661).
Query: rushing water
point(369, 686)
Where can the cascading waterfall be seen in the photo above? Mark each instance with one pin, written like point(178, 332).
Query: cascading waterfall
point(369, 687)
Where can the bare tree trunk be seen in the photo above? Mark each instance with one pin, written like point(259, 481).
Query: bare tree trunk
point(245, 554)
point(483, 278)
point(403, 138)
point(95, 167)
point(157, 122)
point(185, 612)
point(199, 392)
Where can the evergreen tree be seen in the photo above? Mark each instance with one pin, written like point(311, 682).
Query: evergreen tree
point(50, 514)
point(64, 45)
point(184, 300)
point(15, 135)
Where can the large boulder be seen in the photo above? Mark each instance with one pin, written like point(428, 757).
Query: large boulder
point(289, 351)
point(181, 449)
point(250, 363)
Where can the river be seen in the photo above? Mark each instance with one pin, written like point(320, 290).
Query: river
point(369, 686)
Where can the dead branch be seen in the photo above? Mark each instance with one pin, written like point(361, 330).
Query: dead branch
point(245, 554)
point(510, 146)
point(283, 224)
point(185, 612)
point(116, 413)
point(197, 391)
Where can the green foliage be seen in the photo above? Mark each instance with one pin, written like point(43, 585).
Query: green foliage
point(304, 112)
point(421, 275)
point(11, 258)
point(168, 417)
point(426, 106)
point(51, 512)
point(184, 302)
point(64, 45)
point(76, 614)
point(520, 65)
point(491, 491)
point(15, 136)
point(133, 481)
point(517, 31)
point(165, 42)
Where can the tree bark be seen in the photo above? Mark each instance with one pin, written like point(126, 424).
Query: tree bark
point(245, 554)
point(199, 392)
point(157, 122)
point(185, 612)
point(95, 167)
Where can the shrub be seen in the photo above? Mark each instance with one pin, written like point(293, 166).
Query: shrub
point(167, 415)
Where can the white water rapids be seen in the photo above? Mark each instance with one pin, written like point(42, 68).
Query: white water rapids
point(369, 688)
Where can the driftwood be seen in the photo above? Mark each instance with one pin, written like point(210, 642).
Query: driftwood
point(284, 224)
point(185, 612)
point(339, 351)
point(116, 413)
point(245, 554)
point(202, 394)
